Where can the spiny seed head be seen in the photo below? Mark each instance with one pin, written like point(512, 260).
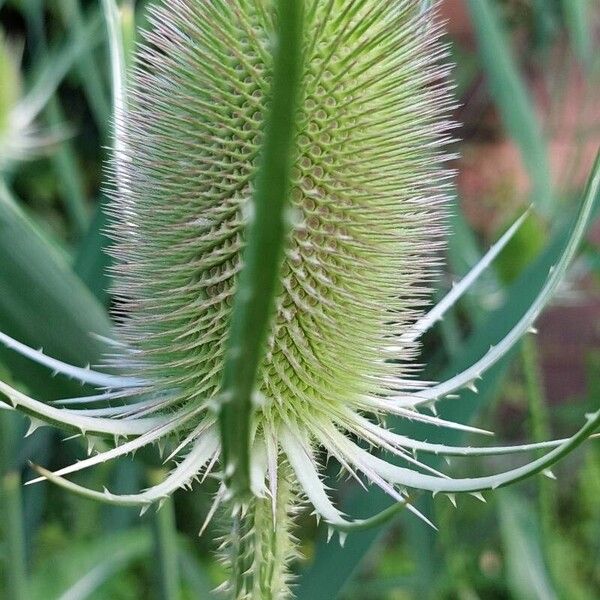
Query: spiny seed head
point(367, 196)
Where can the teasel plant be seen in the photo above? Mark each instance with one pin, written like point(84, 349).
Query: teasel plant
point(279, 197)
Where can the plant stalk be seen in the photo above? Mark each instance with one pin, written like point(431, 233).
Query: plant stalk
point(539, 427)
point(261, 545)
point(166, 552)
point(16, 571)
point(266, 235)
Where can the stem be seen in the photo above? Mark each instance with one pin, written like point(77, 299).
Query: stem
point(166, 552)
point(266, 236)
point(16, 572)
point(261, 545)
point(539, 426)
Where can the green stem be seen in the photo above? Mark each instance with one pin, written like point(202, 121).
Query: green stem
point(539, 425)
point(166, 552)
point(266, 236)
point(261, 544)
point(16, 573)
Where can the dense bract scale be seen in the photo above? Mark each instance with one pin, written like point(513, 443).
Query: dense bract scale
point(367, 185)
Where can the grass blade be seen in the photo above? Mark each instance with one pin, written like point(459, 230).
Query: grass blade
point(43, 303)
point(194, 575)
point(80, 571)
point(69, 174)
point(527, 573)
point(55, 67)
point(87, 68)
point(576, 14)
point(512, 99)
point(165, 550)
point(12, 517)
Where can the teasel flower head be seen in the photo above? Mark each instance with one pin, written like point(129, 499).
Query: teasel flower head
point(365, 226)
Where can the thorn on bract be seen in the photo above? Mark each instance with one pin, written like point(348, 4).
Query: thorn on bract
point(329, 533)
point(479, 496)
point(34, 425)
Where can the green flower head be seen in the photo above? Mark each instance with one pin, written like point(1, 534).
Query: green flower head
point(368, 192)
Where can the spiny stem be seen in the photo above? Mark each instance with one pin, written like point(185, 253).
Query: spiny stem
point(261, 544)
point(266, 235)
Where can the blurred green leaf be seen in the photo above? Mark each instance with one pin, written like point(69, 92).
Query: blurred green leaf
point(513, 101)
point(194, 575)
point(84, 567)
point(91, 76)
point(68, 173)
point(166, 571)
point(528, 576)
point(42, 302)
point(12, 528)
point(577, 19)
point(91, 261)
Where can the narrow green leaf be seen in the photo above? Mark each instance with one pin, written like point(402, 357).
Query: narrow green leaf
point(194, 575)
point(166, 572)
point(527, 574)
point(513, 101)
point(577, 19)
point(118, 60)
point(55, 66)
point(12, 525)
point(68, 173)
point(43, 303)
point(92, 261)
point(85, 567)
point(266, 235)
point(87, 68)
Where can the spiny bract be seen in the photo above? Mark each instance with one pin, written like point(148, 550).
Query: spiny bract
point(368, 206)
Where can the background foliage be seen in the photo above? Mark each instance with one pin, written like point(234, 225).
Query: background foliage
point(527, 76)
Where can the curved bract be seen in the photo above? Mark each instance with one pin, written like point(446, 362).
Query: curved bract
point(367, 194)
